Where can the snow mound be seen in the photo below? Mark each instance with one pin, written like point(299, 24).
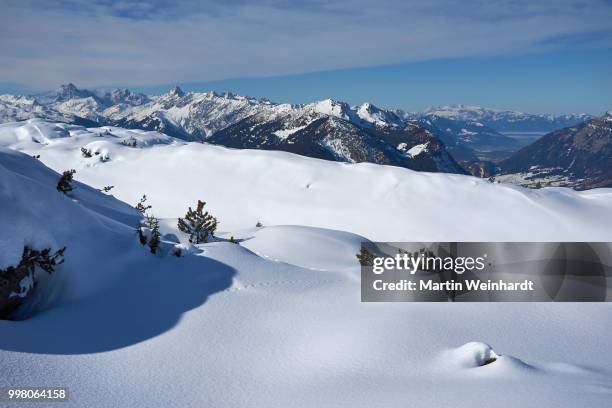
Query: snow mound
point(307, 247)
point(471, 355)
point(476, 354)
point(35, 131)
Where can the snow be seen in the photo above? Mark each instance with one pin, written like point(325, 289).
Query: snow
point(380, 117)
point(465, 132)
point(276, 319)
point(470, 355)
point(285, 133)
point(417, 149)
point(25, 285)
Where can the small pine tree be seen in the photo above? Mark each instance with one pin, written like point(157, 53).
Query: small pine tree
point(153, 224)
point(198, 224)
point(365, 257)
point(141, 206)
point(63, 185)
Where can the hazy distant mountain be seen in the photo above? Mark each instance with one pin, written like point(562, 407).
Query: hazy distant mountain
point(579, 156)
point(468, 140)
point(505, 120)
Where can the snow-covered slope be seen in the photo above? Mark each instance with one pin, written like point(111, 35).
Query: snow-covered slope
point(276, 320)
point(247, 186)
point(92, 226)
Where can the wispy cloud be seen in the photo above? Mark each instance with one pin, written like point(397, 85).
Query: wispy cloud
point(43, 43)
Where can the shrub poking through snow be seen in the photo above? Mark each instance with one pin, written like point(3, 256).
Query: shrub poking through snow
point(63, 185)
point(130, 142)
point(154, 236)
point(142, 207)
point(259, 224)
point(365, 257)
point(148, 233)
point(86, 152)
point(106, 189)
point(17, 281)
point(198, 224)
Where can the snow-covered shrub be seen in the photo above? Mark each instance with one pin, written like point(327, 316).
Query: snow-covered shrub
point(198, 224)
point(149, 234)
point(153, 224)
point(259, 224)
point(63, 185)
point(130, 142)
point(86, 152)
point(16, 282)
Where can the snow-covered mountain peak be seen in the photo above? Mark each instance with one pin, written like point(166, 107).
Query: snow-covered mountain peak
point(331, 107)
point(70, 91)
point(377, 116)
point(124, 95)
point(176, 91)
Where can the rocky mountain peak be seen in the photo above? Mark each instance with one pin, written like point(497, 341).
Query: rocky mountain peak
point(176, 91)
point(70, 91)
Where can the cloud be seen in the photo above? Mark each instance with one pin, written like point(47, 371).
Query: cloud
point(44, 43)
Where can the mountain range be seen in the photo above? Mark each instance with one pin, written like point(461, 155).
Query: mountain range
point(454, 139)
point(506, 121)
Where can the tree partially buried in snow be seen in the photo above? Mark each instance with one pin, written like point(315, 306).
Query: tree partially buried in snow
point(199, 224)
point(63, 185)
point(154, 239)
point(16, 282)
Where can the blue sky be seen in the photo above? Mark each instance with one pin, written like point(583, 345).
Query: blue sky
point(537, 56)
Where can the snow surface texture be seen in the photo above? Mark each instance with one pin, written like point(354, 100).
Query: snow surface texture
point(276, 320)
